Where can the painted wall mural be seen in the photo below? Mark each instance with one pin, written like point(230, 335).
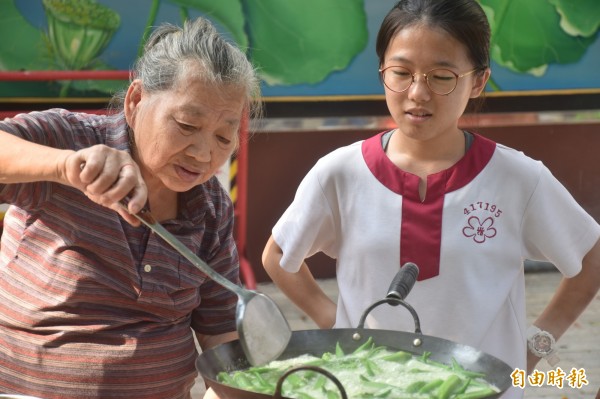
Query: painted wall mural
point(302, 48)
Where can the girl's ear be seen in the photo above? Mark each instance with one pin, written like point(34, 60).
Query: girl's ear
point(132, 99)
point(480, 81)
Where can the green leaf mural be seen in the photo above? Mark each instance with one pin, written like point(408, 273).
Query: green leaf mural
point(291, 42)
point(302, 41)
point(296, 42)
point(228, 13)
point(580, 17)
point(527, 36)
point(13, 54)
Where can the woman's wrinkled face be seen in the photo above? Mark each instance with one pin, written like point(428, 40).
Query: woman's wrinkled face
point(418, 112)
point(183, 136)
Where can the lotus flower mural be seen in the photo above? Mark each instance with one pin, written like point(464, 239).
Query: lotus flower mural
point(78, 31)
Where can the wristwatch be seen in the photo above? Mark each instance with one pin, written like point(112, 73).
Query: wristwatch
point(542, 344)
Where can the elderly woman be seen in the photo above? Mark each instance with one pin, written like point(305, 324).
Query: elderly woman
point(92, 304)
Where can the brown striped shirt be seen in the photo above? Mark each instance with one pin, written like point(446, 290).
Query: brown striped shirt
point(92, 307)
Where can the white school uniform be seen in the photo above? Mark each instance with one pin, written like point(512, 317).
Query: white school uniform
point(480, 219)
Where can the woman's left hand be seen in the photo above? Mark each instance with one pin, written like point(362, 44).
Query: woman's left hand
point(210, 394)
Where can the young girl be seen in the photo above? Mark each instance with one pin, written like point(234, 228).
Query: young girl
point(466, 210)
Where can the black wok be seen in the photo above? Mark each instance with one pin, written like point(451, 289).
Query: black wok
point(230, 356)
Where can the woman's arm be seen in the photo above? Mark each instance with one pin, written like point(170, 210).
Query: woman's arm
point(105, 175)
point(570, 300)
point(210, 341)
point(300, 287)
point(22, 161)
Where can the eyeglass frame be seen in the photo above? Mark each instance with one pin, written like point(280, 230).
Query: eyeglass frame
point(426, 76)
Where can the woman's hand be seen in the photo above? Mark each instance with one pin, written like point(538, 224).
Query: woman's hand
point(210, 394)
point(106, 176)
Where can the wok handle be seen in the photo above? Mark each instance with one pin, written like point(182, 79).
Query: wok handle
point(393, 302)
point(278, 394)
point(403, 281)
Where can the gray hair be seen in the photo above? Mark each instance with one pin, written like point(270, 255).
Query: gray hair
point(170, 49)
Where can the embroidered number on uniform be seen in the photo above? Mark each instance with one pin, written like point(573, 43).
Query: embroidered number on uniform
point(484, 206)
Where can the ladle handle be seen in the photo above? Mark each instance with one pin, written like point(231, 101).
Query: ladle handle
point(146, 218)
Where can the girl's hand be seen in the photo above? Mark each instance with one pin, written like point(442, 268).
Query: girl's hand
point(107, 176)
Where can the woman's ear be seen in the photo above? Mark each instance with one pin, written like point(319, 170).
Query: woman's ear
point(132, 99)
point(480, 80)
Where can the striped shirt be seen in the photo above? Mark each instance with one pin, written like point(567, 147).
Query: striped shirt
point(92, 307)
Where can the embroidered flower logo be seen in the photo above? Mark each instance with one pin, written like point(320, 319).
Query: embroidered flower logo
point(479, 230)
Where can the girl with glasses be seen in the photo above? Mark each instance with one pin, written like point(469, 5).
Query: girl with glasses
point(467, 211)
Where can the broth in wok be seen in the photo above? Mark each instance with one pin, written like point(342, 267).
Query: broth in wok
point(369, 371)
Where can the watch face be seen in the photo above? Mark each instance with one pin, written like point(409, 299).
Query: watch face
point(543, 343)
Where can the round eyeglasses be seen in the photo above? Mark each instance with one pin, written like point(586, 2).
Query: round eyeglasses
point(440, 81)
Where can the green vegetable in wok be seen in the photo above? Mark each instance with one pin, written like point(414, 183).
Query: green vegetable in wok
point(370, 371)
point(78, 30)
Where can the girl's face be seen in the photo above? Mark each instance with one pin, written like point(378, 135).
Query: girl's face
point(185, 135)
point(418, 112)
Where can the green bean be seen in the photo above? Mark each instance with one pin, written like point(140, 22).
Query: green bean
point(316, 362)
point(262, 369)
point(259, 382)
point(415, 386)
point(295, 380)
point(482, 393)
point(431, 385)
point(400, 356)
point(368, 343)
point(472, 374)
point(320, 383)
point(479, 384)
point(302, 395)
point(449, 386)
point(468, 373)
point(416, 370)
point(370, 371)
point(374, 351)
point(338, 350)
point(225, 378)
point(332, 395)
point(371, 367)
point(365, 381)
point(464, 386)
point(384, 393)
point(242, 380)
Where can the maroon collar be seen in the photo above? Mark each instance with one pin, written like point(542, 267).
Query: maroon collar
point(421, 229)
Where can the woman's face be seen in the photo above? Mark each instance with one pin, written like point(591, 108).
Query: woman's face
point(418, 112)
point(185, 135)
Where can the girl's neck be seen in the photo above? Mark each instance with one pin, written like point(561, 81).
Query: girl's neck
point(426, 157)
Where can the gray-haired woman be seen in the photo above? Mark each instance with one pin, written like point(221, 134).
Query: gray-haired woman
point(93, 304)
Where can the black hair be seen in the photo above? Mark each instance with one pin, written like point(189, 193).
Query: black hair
point(464, 20)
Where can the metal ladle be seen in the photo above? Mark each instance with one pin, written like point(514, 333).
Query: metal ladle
point(264, 331)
